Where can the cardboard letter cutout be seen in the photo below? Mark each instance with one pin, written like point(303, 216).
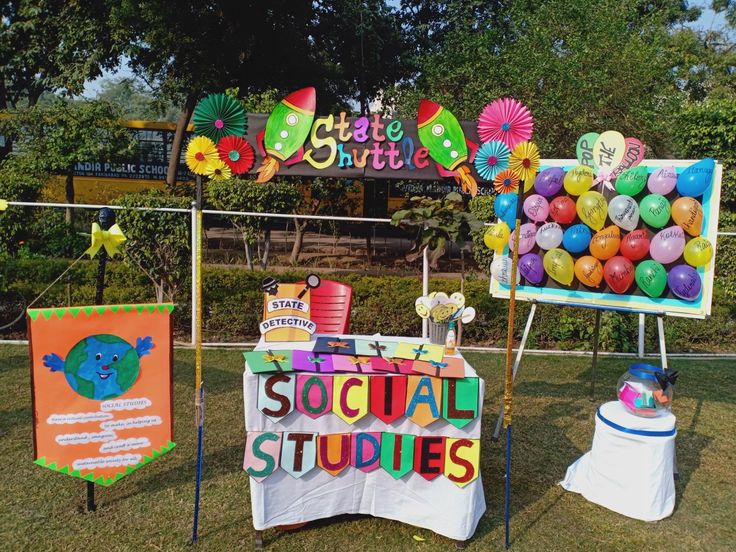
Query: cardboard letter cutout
point(262, 453)
point(397, 453)
point(298, 453)
point(365, 451)
point(314, 395)
point(276, 395)
point(350, 397)
point(423, 399)
point(333, 452)
point(388, 397)
point(429, 456)
point(460, 401)
point(462, 460)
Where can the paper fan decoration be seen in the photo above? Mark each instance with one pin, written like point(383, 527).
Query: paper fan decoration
point(217, 116)
point(506, 182)
point(524, 161)
point(491, 158)
point(236, 153)
point(218, 170)
point(201, 151)
point(507, 120)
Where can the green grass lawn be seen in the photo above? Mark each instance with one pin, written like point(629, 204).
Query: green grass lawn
point(151, 509)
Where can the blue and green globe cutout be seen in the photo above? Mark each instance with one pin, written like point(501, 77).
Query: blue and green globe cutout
point(101, 366)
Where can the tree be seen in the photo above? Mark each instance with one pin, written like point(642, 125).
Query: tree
point(135, 101)
point(279, 196)
point(579, 65)
point(51, 139)
point(157, 242)
point(51, 46)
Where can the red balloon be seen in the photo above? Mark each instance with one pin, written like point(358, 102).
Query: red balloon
point(635, 245)
point(619, 273)
point(562, 210)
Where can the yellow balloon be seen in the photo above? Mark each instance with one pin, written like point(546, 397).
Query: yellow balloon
point(558, 264)
point(609, 149)
point(592, 209)
point(497, 236)
point(698, 252)
point(578, 180)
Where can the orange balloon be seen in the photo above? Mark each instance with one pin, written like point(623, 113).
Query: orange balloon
point(688, 215)
point(605, 243)
point(589, 271)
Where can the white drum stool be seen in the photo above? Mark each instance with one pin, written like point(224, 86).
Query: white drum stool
point(630, 466)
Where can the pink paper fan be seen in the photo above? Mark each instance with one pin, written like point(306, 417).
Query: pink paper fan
point(507, 120)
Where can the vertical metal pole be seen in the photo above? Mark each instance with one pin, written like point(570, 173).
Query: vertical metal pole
point(195, 293)
point(594, 366)
point(106, 218)
point(662, 345)
point(425, 289)
point(642, 319)
point(198, 482)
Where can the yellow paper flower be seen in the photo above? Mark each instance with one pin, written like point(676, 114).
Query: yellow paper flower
point(201, 151)
point(3, 204)
point(525, 162)
point(218, 170)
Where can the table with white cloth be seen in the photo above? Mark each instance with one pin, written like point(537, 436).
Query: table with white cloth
point(630, 466)
point(438, 505)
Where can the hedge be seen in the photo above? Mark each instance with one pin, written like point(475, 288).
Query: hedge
point(232, 308)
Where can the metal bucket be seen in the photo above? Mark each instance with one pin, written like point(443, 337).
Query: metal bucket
point(438, 332)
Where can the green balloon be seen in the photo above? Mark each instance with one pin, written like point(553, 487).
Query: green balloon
point(655, 210)
point(632, 181)
point(651, 277)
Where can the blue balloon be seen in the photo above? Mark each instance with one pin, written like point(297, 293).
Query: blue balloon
point(576, 238)
point(505, 207)
point(694, 180)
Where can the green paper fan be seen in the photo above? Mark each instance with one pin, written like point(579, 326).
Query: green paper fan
point(217, 116)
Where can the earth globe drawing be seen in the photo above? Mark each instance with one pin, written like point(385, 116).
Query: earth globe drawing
point(101, 366)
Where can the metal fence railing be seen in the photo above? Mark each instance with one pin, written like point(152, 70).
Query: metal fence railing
point(290, 216)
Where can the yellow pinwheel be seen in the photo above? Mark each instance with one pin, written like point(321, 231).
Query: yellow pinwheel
point(109, 239)
point(524, 162)
point(201, 152)
point(218, 170)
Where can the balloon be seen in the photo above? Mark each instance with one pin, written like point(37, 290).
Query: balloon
point(576, 238)
point(609, 150)
point(528, 232)
point(698, 252)
point(592, 209)
point(605, 243)
point(655, 210)
point(662, 181)
point(667, 245)
point(578, 180)
point(505, 208)
point(635, 152)
point(549, 235)
point(651, 277)
point(496, 236)
point(549, 181)
point(536, 208)
point(694, 180)
point(688, 214)
point(558, 264)
point(684, 281)
point(624, 212)
point(531, 268)
point(584, 148)
point(589, 271)
point(619, 273)
point(635, 245)
point(562, 210)
point(631, 181)
point(501, 270)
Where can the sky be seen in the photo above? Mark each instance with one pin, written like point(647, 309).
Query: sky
point(708, 20)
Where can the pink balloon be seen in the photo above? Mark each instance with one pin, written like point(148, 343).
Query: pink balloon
point(526, 243)
point(667, 245)
point(662, 181)
point(536, 207)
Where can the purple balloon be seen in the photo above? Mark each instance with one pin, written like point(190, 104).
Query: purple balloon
point(531, 268)
point(549, 181)
point(684, 281)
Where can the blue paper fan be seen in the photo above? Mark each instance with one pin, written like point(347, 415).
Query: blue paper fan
point(492, 158)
